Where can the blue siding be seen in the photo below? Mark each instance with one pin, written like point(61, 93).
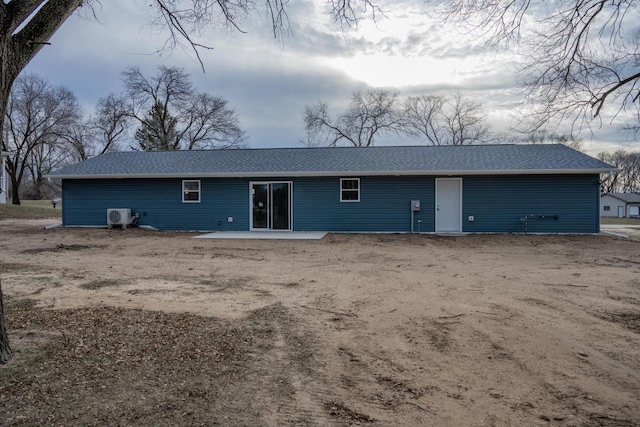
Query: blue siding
point(384, 204)
point(497, 203)
point(159, 203)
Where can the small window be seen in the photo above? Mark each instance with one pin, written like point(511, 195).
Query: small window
point(191, 191)
point(349, 189)
point(607, 208)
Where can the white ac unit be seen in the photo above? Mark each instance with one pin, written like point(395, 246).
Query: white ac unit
point(119, 217)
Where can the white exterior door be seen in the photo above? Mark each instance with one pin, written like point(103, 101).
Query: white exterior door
point(448, 205)
point(620, 211)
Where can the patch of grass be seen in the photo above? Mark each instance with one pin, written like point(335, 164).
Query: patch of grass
point(623, 221)
point(30, 209)
point(45, 204)
point(102, 283)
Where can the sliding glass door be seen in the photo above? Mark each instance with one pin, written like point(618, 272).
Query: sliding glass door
point(270, 205)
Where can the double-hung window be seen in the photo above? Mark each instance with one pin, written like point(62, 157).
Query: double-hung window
point(191, 191)
point(349, 189)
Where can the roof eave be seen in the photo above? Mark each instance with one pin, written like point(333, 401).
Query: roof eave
point(622, 199)
point(615, 197)
point(274, 174)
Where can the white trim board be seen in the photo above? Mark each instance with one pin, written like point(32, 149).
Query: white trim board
point(344, 174)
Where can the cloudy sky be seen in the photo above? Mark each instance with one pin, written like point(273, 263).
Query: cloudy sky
point(268, 82)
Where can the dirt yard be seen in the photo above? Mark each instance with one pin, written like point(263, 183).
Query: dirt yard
point(134, 327)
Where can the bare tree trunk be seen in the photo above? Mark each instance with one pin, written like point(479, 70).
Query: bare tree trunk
point(7, 77)
point(5, 350)
point(25, 27)
point(15, 186)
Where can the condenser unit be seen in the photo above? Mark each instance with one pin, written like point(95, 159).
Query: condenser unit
point(119, 217)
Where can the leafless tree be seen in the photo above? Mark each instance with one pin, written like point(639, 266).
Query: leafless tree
point(370, 114)
point(110, 123)
point(349, 13)
point(209, 122)
point(544, 136)
point(79, 143)
point(36, 115)
point(442, 120)
point(423, 118)
point(627, 178)
point(27, 25)
point(465, 121)
point(437, 120)
point(43, 159)
point(151, 101)
point(104, 131)
point(582, 55)
point(173, 115)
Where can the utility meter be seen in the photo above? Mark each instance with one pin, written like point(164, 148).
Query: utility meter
point(415, 205)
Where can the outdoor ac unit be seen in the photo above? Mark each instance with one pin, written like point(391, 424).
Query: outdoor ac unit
point(119, 217)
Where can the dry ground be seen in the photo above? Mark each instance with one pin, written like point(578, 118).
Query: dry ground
point(133, 327)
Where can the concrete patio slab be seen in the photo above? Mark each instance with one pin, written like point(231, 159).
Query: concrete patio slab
point(271, 235)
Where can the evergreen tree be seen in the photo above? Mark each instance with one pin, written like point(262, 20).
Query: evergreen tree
point(158, 130)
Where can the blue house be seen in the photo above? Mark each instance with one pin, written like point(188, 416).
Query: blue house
point(482, 188)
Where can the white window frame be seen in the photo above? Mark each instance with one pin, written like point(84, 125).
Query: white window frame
point(184, 191)
point(342, 190)
point(607, 208)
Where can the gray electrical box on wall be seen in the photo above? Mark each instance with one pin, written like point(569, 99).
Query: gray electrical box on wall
point(415, 205)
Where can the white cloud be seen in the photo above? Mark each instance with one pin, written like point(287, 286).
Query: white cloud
point(270, 81)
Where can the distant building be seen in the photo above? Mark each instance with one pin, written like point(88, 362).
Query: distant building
point(3, 176)
point(620, 205)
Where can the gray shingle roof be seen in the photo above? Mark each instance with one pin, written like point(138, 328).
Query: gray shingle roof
point(405, 160)
point(626, 197)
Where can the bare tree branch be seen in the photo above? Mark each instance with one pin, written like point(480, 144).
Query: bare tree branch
point(348, 13)
point(583, 55)
point(627, 178)
point(465, 121)
point(454, 120)
point(37, 114)
point(172, 115)
point(422, 118)
point(370, 114)
point(110, 122)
